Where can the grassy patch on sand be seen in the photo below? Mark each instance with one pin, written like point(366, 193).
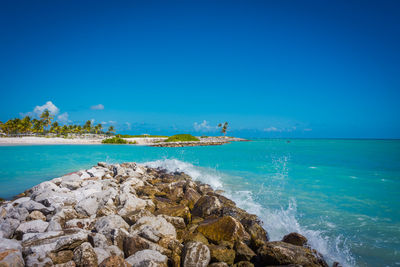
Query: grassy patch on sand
point(181, 138)
point(114, 140)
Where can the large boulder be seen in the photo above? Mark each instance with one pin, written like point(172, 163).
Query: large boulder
point(153, 228)
point(222, 254)
point(133, 244)
point(223, 229)
point(114, 261)
point(195, 254)
point(206, 206)
point(85, 256)
point(36, 226)
point(8, 227)
point(87, 206)
point(281, 253)
point(295, 239)
point(10, 253)
point(36, 215)
point(147, 258)
point(107, 223)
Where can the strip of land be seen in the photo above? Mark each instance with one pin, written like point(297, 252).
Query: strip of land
point(150, 141)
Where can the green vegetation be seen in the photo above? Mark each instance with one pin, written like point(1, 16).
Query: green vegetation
point(224, 128)
point(114, 140)
point(141, 135)
point(45, 126)
point(181, 138)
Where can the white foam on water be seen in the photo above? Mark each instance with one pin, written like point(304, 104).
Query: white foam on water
point(277, 222)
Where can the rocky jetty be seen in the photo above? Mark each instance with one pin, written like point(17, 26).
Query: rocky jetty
point(131, 215)
point(203, 141)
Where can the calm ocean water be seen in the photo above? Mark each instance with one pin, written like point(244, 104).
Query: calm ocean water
point(343, 195)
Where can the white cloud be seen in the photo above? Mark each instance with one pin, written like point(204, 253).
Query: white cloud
point(203, 127)
point(103, 122)
point(272, 129)
point(63, 118)
point(92, 120)
point(38, 110)
point(112, 122)
point(128, 125)
point(97, 107)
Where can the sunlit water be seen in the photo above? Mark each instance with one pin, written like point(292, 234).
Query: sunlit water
point(343, 195)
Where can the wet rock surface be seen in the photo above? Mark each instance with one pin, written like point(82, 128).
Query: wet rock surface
point(131, 215)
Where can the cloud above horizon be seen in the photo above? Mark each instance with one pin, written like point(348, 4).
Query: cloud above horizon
point(64, 117)
point(203, 127)
point(97, 107)
point(38, 110)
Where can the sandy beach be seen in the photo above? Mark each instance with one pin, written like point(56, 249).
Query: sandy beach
point(150, 141)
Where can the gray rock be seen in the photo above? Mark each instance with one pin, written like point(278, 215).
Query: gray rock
point(10, 253)
point(156, 226)
point(87, 206)
point(67, 264)
point(107, 223)
point(31, 205)
point(195, 254)
point(101, 254)
point(85, 256)
point(8, 226)
point(38, 259)
point(131, 205)
point(79, 223)
point(17, 213)
point(99, 240)
point(147, 257)
point(36, 226)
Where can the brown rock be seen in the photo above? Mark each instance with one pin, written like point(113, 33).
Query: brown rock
point(190, 198)
point(199, 237)
point(295, 239)
point(176, 211)
point(222, 254)
point(133, 244)
point(244, 264)
point(223, 229)
point(114, 261)
point(62, 256)
point(67, 264)
point(243, 252)
point(218, 264)
point(85, 256)
point(134, 217)
point(11, 258)
point(259, 236)
point(36, 215)
point(281, 253)
point(206, 206)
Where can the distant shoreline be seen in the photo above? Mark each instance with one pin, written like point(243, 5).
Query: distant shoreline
point(147, 141)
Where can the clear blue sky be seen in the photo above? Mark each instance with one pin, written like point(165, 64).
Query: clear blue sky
point(270, 68)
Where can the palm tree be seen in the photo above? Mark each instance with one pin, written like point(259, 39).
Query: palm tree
point(54, 127)
point(98, 128)
point(111, 129)
point(224, 128)
point(64, 130)
point(26, 124)
point(37, 126)
point(46, 118)
point(88, 126)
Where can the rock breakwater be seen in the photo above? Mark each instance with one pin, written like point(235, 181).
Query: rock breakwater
point(130, 215)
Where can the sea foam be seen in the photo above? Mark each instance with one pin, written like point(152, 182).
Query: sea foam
point(277, 221)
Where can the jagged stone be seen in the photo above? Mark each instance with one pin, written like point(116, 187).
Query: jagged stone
point(195, 254)
point(223, 229)
point(36, 215)
point(206, 206)
point(114, 261)
point(222, 254)
point(85, 256)
point(147, 258)
point(295, 239)
point(281, 253)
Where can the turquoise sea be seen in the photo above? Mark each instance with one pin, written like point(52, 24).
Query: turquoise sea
point(343, 195)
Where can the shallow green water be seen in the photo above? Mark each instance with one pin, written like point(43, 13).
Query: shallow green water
point(344, 195)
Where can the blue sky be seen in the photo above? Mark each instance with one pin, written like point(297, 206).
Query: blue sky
point(269, 68)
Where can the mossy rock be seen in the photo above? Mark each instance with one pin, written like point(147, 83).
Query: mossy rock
point(223, 229)
point(222, 254)
point(176, 211)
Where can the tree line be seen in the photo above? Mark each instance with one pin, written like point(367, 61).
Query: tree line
point(46, 124)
